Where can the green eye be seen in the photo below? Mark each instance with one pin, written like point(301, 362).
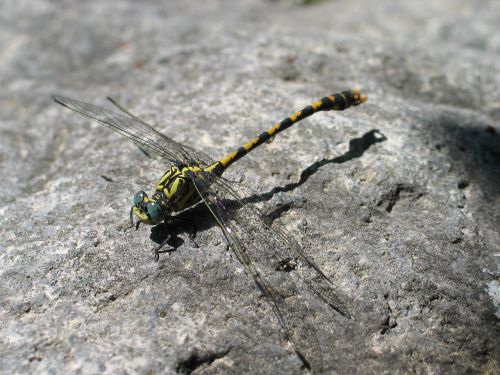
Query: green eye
point(154, 210)
point(139, 197)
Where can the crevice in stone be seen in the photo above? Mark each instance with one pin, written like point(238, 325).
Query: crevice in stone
point(197, 360)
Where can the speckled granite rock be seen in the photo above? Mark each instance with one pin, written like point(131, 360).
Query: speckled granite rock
point(398, 200)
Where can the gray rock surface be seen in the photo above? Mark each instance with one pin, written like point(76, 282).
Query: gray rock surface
point(397, 200)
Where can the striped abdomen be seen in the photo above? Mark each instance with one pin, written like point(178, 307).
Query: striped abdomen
point(338, 101)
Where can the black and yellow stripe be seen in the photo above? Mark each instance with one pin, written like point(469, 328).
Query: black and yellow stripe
point(338, 101)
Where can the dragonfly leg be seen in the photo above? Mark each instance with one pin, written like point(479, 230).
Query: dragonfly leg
point(132, 222)
point(136, 225)
point(158, 249)
point(170, 234)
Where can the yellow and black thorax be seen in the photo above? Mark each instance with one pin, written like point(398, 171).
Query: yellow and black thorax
point(175, 190)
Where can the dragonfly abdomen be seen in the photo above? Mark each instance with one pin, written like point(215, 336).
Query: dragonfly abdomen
point(338, 101)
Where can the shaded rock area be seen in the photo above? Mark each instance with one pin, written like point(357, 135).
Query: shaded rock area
point(397, 200)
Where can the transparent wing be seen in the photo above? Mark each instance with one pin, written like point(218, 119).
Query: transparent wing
point(138, 131)
point(264, 247)
point(236, 236)
point(255, 238)
point(270, 240)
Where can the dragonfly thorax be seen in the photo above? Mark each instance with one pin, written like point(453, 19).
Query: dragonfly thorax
point(174, 192)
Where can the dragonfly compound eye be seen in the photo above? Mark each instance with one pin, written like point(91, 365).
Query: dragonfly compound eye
point(139, 197)
point(154, 210)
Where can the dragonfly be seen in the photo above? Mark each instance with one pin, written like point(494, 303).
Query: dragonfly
point(194, 177)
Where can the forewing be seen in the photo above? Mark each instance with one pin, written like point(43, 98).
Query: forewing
point(145, 136)
point(260, 245)
point(270, 241)
point(238, 240)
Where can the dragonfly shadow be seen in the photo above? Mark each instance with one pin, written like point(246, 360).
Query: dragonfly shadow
point(181, 228)
point(171, 232)
point(199, 218)
point(357, 148)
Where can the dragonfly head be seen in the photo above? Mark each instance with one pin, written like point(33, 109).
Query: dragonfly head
point(147, 210)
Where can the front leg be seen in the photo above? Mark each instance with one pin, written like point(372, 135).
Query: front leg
point(172, 225)
point(157, 250)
